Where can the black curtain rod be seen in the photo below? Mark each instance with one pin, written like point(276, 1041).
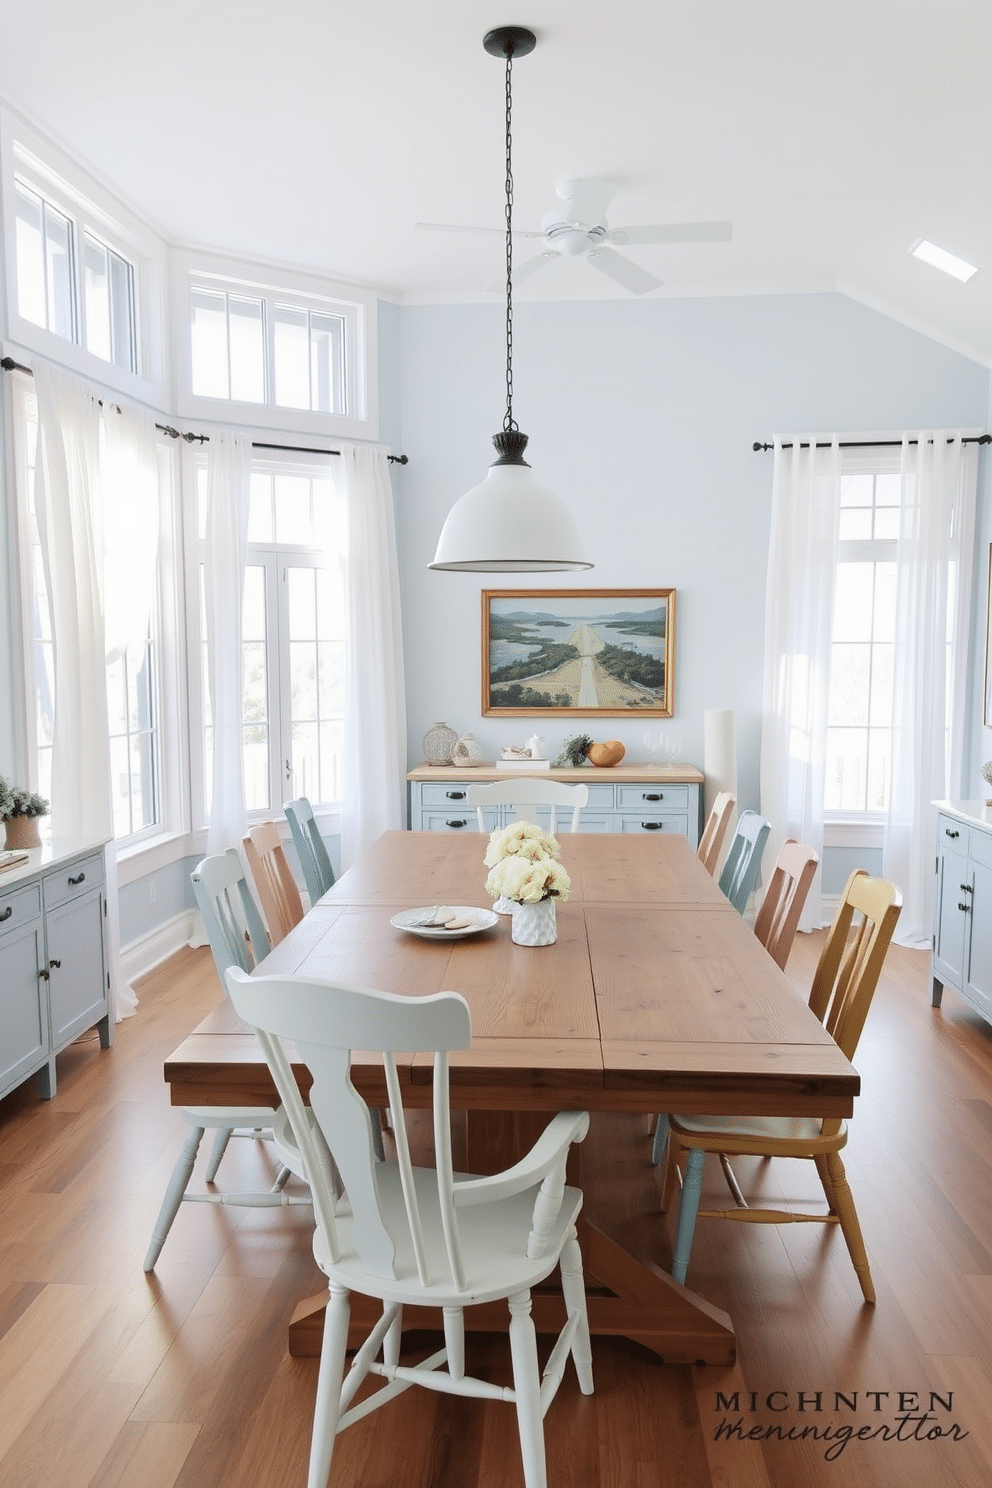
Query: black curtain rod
point(871, 443)
point(9, 365)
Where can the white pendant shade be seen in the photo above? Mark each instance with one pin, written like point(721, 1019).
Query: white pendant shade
point(509, 524)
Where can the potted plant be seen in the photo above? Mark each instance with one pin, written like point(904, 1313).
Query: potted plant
point(525, 874)
point(19, 812)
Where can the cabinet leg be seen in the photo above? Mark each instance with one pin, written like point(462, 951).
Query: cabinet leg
point(46, 1079)
point(105, 1028)
point(936, 993)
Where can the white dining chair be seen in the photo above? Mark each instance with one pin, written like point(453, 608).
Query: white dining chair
point(237, 938)
point(524, 795)
point(417, 1236)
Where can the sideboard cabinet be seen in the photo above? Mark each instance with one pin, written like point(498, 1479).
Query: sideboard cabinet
point(53, 961)
point(962, 904)
point(625, 798)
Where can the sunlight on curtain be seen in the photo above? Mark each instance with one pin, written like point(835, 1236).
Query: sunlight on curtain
point(375, 705)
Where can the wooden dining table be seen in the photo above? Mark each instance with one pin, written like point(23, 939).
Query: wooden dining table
point(655, 997)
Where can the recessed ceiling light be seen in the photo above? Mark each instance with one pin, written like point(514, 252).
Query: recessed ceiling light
point(941, 259)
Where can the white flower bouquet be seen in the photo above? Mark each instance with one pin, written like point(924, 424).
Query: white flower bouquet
point(528, 881)
point(521, 839)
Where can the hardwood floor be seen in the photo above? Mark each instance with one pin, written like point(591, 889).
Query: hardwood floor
point(113, 1379)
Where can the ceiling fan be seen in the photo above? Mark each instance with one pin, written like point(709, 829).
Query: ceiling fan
point(579, 229)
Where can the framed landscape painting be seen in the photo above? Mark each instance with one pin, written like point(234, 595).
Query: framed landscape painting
point(589, 653)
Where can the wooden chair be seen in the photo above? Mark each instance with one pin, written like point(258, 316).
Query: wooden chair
point(237, 938)
point(273, 879)
point(523, 794)
point(841, 995)
point(318, 875)
point(417, 1236)
point(742, 865)
point(778, 918)
point(715, 831)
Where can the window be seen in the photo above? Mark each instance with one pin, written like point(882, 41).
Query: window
point(92, 302)
point(859, 720)
point(297, 351)
point(292, 637)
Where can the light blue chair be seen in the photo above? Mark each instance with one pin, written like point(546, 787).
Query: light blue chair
point(237, 938)
point(318, 875)
point(739, 874)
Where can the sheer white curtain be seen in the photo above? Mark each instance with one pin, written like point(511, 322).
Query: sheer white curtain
point(375, 705)
point(225, 555)
point(97, 505)
point(933, 602)
point(799, 606)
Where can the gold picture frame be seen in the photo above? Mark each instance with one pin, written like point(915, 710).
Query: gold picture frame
point(583, 653)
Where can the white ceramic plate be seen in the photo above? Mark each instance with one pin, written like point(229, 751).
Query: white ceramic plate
point(482, 919)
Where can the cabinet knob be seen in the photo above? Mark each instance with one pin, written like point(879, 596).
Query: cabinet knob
point(45, 975)
point(652, 826)
point(456, 823)
point(454, 795)
point(652, 796)
point(7, 913)
point(967, 889)
point(75, 882)
point(56, 964)
point(949, 833)
point(965, 907)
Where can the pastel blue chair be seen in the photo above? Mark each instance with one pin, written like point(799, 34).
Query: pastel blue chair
point(318, 875)
point(237, 938)
point(739, 874)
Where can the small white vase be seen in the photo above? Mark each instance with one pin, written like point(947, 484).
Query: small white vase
point(534, 924)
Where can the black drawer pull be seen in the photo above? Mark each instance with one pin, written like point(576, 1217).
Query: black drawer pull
point(7, 913)
point(967, 889)
point(45, 976)
point(949, 833)
point(462, 823)
point(964, 906)
point(56, 964)
point(75, 882)
point(652, 796)
point(652, 826)
point(454, 795)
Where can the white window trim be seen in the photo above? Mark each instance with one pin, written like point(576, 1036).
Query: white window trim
point(93, 207)
point(358, 305)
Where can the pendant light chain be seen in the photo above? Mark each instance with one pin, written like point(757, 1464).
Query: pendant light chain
point(509, 422)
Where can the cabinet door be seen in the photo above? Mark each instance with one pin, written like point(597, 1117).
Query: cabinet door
point(950, 919)
point(24, 1040)
point(979, 984)
point(78, 980)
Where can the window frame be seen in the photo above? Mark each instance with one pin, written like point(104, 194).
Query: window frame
point(27, 156)
point(274, 558)
point(296, 289)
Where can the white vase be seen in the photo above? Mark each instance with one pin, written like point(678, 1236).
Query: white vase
point(467, 751)
point(534, 924)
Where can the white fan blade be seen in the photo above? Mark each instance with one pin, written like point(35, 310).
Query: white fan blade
point(629, 274)
point(522, 271)
point(499, 232)
point(674, 232)
point(587, 199)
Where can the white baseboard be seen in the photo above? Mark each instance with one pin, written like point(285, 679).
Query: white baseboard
point(142, 956)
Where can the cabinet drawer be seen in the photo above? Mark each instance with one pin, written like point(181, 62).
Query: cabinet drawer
point(452, 793)
point(653, 798)
point(952, 836)
point(981, 848)
point(653, 821)
point(73, 880)
point(455, 820)
point(19, 906)
point(600, 798)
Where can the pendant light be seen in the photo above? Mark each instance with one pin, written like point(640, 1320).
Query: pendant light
point(508, 523)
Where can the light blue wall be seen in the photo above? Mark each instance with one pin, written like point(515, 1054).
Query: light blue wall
point(642, 414)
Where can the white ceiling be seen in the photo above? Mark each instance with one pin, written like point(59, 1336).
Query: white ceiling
point(831, 135)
